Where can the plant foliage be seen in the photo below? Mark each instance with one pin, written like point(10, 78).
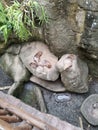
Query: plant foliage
point(20, 18)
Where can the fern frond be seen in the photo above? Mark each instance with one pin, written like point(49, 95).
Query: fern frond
point(4, 29)
point(20, 18)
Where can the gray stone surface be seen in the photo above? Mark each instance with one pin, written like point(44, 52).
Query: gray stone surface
point(89, 109)
point(74, 73)
point(60, 37)
point(72, 27)
point(89, 41)
point(60, 33)
point(89, 38)
point(37, 57)
point(89, 4)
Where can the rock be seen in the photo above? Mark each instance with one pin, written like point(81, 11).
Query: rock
point(89, 4)
point(64, 30)
point(55, 86)
point(89, 109)
point(14, 49)
point(60, 32)
point(39, 61)
point(80, 18)
point(92, 65)
point(89, 43)
point(60, 37)
point(13, 66)
point(74, 73)
point(71, 27)
point(90, 35)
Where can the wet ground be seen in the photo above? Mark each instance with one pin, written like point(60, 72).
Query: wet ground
point(66, 105)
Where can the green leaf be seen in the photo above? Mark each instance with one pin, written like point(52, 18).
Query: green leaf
point(5, 32)
point(1, 7)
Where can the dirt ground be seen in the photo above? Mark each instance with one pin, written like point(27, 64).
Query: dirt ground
point(65, 105)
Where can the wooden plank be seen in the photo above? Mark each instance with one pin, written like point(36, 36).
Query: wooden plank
point(10, 118)
point(41, 120)
point(26, 116)
point(5, 126)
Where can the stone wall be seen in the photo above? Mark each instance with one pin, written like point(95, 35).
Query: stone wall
point(72, 28)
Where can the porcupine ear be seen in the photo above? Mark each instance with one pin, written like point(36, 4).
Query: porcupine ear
point(64, 63)
point(68, 64)
point(68, 61)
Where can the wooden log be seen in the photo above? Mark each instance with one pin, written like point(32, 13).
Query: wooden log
point(23, 126)
point(5, 126)
point(10, 119)
point(34, 117)
point(3, 112)
point(26, 116)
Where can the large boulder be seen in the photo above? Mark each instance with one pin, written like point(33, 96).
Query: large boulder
point(60, 37)
point(40, 61)
point(74, 73)
point(66, 23)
